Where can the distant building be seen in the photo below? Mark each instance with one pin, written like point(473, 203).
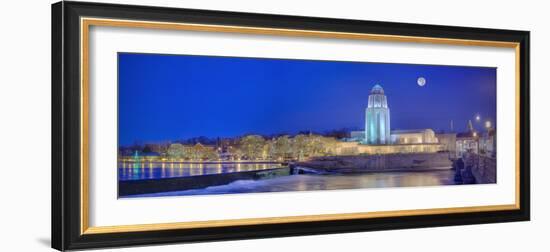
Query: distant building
point(354, 148)
point(488, 143)
point(466, 142)
point(448, 143)
point(474, 142)
point(377, 137)
point(413, 136)
point(377, 118)
point(357, 136)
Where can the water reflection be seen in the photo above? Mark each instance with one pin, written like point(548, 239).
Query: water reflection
point(156, 170)
point(324, 182)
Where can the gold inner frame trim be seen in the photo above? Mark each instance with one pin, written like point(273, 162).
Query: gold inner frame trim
point(86, 23)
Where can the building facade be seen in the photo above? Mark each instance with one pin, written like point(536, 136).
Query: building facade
point(478, 143)
point(488, 143)
point(356, 148)
point(467, 142)
point(377, 138)
point(448, 143)
point(377, 114)
point(413, 136)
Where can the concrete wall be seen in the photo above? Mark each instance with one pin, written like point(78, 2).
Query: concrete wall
point(373, 163)
point(484, 169)
point(355, 148)
point(143, 186)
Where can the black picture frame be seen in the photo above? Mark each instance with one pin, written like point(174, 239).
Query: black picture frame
point(66, 123)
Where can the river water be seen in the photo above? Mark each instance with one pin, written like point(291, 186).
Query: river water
point(306, 182)
point(158, 170)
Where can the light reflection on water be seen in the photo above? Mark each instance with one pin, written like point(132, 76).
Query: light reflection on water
point(156, 170)
point(324, 182)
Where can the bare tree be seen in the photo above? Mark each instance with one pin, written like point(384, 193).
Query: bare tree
point(282, 147)
point(301, 146)
point(234, 152)
point(176, 151)
point(252, 146)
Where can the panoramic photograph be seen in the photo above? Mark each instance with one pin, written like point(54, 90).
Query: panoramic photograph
point(207, 125)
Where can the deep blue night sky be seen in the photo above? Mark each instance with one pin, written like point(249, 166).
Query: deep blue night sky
point(171, 97)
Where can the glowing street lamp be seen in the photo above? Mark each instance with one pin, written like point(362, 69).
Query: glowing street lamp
point(488, 124)
point(474, 134)
point(478, 118)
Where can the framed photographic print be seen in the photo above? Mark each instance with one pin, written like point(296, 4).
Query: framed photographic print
point(180, 125)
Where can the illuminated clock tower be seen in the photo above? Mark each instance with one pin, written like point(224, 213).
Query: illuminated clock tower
point(377, 120)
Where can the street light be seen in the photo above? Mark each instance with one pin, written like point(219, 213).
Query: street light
point(478, 117)
point(490, 137)
point(474, 134)
point(488, 124)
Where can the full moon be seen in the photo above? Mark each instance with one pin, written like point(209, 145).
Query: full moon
point(421, 81)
